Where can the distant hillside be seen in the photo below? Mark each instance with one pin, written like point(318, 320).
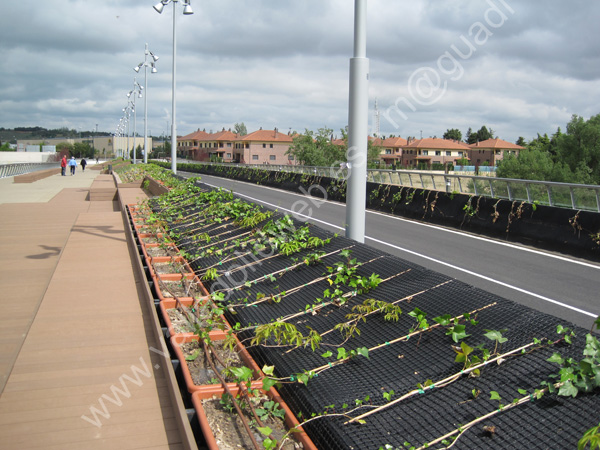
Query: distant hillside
point(14, 134)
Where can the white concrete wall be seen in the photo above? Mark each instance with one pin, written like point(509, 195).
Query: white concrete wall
point(24, 157)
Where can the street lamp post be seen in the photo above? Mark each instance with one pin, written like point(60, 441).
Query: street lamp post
point(145, 65)
point(187, 10)
point(137, 89)
point(358, 127)
point(127, 112)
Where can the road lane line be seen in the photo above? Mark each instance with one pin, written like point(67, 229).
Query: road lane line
point(452, 266)
point(439, 228)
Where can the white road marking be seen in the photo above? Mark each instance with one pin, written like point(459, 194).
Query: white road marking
point(491, 280)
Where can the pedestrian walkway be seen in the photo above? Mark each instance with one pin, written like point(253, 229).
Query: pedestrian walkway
point(76, 370)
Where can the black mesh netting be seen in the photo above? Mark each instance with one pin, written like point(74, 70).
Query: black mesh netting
point(252, 281)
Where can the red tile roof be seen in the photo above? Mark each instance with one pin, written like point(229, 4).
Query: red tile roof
point(395, 142)
point(496, 144)
point(195, 136)
point(266, 136)
point(435, 143)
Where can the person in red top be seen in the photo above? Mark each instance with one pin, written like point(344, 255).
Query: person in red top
point(63, 166)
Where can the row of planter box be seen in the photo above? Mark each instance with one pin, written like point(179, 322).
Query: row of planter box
point(179, 291)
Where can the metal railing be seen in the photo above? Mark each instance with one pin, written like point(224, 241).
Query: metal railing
point(12, 170)
point(564, 195)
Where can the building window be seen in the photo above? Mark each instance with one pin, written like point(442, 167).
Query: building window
point(388, 151)
point(229, 155)
point(426, 152)
point(448, 153)
point(220, 145)
point(291, 157)
point(270, 145)
point(229, 144)
point(255, 157)
point(264, 145)
point(272, 157)
point(438, 153)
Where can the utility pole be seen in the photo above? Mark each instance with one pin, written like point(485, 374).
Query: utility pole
point(358, 128)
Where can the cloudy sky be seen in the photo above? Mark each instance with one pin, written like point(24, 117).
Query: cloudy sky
point(517, 66)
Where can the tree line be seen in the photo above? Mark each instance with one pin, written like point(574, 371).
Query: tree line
point(571, 157)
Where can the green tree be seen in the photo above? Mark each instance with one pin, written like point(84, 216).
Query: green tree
point(521, 141)
point(531, 164)
point(453, 134)
point(240, 129)
point(316, 149)
point(470, 138)
point(579, 148)
point(81, 150)
point(65, 147)
point(483, 134)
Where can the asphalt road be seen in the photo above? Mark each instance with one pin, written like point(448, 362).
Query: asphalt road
point(563, 286)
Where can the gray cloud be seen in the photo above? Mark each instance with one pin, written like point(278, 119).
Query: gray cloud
point(277, 63)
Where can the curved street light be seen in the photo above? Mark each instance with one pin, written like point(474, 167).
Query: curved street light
point(145, 65)
point(137, 89)
point(127, 114)
point(187, 10)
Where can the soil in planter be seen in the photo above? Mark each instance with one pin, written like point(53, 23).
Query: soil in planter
point(180, 322)
point(179, 289)
point(201, 371)
point(230, 433)
point(168, 267)
point(158, 251)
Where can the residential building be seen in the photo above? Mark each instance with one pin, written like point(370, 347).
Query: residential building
point(264, 147)
point(203, 146)
point(491, 151)
point(431, 151)
point(391, 149)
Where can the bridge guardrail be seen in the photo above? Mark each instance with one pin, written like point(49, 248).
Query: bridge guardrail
point(565, 195)
point(12, 170)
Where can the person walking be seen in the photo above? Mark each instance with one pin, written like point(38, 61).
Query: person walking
point(83, 164)
point(63, 166)
point(72, 165)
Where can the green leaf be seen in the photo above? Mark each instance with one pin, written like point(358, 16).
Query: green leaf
point(522, 391)
point(443, 320)
point(458, 332)
point(242, 373)
point(568, 389)
point(466, 349)
point(363, 351)
point(268, 370)
point(496, 335)
point(327, 354)
point(268, 383)
point(193, 356)
point(494, 395)
point(556, 358)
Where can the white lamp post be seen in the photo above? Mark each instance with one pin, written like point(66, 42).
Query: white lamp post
point(137, 88)
point(358, 127)
point(145, 65)
point(187, 10)
point(127, 112)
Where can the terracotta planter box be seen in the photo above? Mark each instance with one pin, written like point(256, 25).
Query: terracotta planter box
point(172, 248)
point(176, 280)
point(178, 340)
point(211, 441)
point(166, 305)
point(179, 261)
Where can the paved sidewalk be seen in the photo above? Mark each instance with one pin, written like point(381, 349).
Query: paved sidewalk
point(75, 336)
